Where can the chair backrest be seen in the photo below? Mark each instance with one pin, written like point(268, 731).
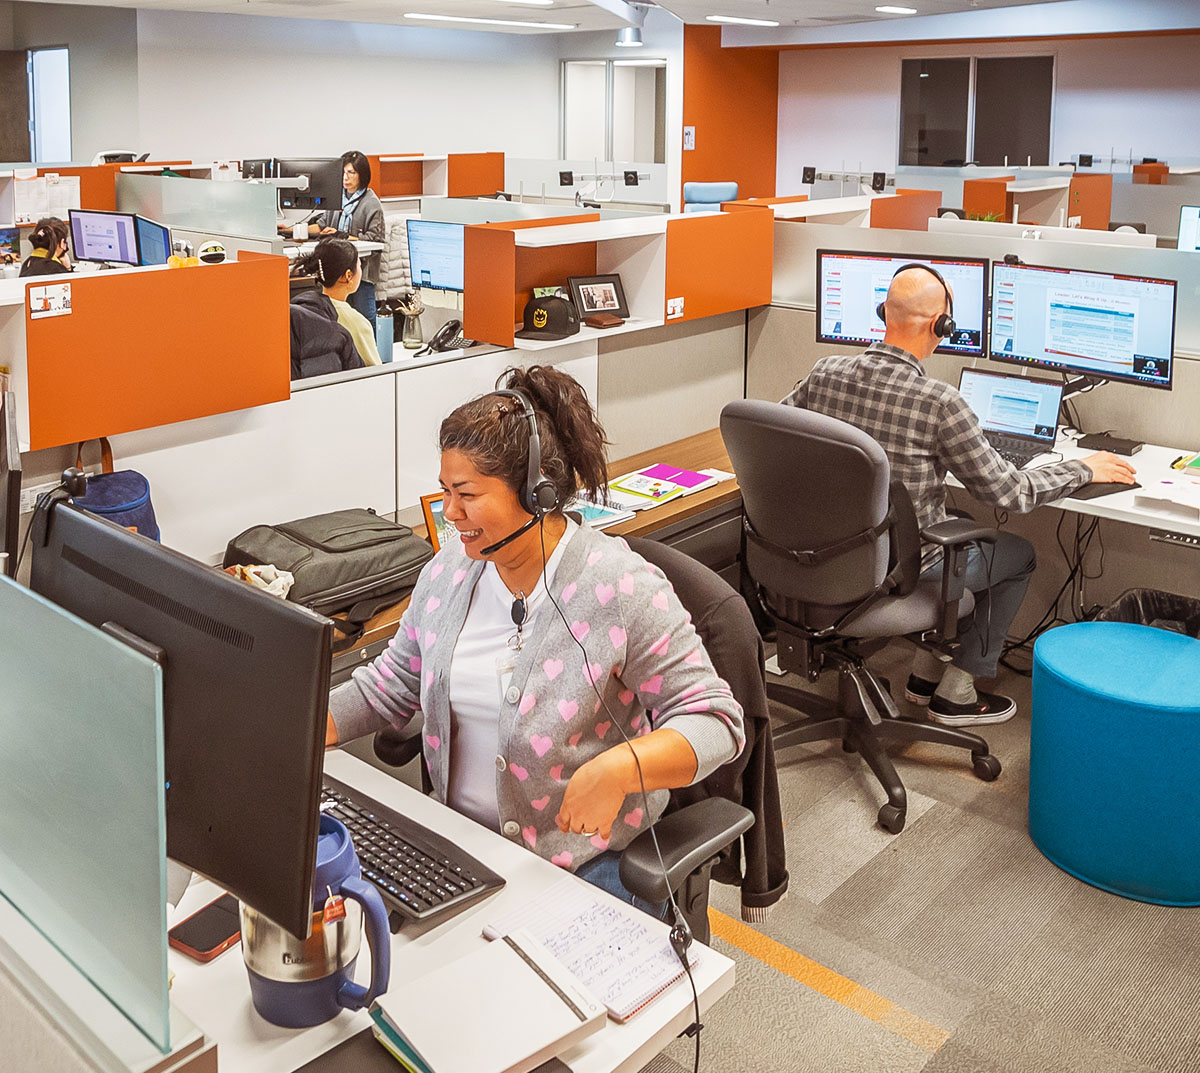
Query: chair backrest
point(810, 483)
point(698, 197)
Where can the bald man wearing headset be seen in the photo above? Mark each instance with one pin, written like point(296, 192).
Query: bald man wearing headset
point(927, 430)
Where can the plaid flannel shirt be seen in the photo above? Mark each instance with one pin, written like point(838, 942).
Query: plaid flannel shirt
point(927, 429)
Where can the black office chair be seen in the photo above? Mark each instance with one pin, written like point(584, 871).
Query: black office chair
point(834, 552)
point(693, 836)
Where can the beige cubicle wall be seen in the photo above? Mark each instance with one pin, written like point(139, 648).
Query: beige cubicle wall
point(781, 348)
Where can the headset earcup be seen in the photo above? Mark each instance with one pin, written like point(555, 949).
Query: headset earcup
point(944, 328)
point(881, 311)
point(544, 497)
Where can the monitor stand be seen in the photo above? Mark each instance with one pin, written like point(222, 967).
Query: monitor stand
point(1094, 441)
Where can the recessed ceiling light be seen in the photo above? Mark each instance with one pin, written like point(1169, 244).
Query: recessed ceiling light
point(740, 21)
point(491, 22)
point(888, 9)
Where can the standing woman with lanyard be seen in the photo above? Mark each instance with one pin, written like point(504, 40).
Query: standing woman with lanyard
point(361, 216)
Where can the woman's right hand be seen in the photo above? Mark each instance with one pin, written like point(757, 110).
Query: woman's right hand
point(327, 231)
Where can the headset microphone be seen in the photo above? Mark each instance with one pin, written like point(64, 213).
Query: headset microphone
point(511, 536)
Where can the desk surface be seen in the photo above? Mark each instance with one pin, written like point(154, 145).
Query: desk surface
point(216, 996)
point(705, 450)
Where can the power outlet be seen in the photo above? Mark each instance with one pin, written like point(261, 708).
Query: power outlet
point(30, 495)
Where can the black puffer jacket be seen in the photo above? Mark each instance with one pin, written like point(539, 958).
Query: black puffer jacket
point(319, 343)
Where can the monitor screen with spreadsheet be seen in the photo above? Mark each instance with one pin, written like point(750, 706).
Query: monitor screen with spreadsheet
point(1085, 323)
point(435, 252)
point(852, 283)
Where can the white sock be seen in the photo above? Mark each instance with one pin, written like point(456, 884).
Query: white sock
point(927, 666)
point(957, 686)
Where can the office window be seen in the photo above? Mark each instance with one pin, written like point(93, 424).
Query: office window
point(614, 110)
point(1012, 109)
point(976, 109)
point(50, 104)
point(934, 103)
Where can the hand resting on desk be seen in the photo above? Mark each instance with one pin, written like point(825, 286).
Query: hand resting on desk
point(1108, 468)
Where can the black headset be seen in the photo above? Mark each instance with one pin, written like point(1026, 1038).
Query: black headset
point(537, 495)
point(944, 326)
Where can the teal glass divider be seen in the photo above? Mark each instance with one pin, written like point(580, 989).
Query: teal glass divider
point(83, 838)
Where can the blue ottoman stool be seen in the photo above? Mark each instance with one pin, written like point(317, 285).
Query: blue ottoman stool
point(1113, 769)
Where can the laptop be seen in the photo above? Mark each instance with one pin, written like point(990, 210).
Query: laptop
point(1018, 414)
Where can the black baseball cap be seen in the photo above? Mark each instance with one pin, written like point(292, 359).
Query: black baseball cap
point(549, 318)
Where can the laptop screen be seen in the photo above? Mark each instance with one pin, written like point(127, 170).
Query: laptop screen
point(1013, 405)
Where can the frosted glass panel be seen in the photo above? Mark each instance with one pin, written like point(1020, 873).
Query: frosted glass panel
point(83, 842)
point(230, 208)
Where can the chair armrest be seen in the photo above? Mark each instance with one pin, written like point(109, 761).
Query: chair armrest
point(688, 838)
point(959, 531)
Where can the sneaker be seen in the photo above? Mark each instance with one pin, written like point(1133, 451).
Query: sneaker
point(988, 708)
point(918, 691)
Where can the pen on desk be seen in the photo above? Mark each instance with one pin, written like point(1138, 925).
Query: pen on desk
point(1177, 461)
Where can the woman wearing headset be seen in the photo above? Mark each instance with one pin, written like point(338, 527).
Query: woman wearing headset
point(529, 637)
point(49, 242)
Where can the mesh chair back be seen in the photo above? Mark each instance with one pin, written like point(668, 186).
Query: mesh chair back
point(808, 482)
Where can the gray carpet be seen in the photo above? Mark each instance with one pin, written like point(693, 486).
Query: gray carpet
point(982, 956)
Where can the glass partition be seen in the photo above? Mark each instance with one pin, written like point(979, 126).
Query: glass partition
point(83, 843)
point(233, 207)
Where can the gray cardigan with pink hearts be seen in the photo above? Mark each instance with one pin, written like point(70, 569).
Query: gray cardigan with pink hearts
point(642, 652)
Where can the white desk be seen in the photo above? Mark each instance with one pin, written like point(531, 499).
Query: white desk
point(216, 996)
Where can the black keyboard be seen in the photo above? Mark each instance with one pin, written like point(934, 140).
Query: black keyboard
point(419, 873)
point(1018, 458)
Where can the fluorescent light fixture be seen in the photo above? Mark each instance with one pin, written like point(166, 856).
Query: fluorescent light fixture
point(649, 61)
point(629, 37)
point(924, 74)
point(735, 20)
point(888, 9)
point(491, 22)
point(529, 3)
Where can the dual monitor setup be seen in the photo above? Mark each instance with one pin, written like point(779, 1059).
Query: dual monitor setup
point(122, 238)
point(1096, 326)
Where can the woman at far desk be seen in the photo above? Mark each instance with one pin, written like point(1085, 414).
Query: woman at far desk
point(49, 242)
point(338, 268)
point(319, 344)
point(361, 216)
point(535, 647)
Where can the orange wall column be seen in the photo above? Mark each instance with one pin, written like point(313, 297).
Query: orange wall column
point(731, 97)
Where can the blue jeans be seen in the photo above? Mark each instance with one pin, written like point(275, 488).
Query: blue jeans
point(603, 871)
point(363, 300)
point(998, 578)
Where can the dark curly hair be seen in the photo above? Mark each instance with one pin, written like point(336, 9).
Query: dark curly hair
point(492, 433)
point(332, 259)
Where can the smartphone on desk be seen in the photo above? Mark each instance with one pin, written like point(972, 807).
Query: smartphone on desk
point(209, 931)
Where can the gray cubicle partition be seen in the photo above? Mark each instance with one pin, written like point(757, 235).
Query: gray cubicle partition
point(232, 207)
point(83, 842)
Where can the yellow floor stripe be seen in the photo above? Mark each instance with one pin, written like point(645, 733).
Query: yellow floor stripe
point(882, 1011)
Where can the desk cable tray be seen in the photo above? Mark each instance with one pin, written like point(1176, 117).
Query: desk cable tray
point(420, 874)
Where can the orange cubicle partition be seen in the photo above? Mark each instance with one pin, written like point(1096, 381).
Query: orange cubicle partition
point(909, 210)
point(1154, 174)
point(758, 202)
point(719, 263)
point(396, 178)
point(474, 174)
point(139, 349)
point(499, 276)
point(988, 197)
point(1090, 198)
point(467, 175)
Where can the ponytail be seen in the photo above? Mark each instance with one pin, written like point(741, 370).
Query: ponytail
point(331, 260)
point(48, 233)
point(493, 433)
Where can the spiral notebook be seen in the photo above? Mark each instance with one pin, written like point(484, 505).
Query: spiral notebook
point(624, 962)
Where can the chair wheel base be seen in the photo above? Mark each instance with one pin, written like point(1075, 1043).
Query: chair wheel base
point(986, 767)
point(891, 819)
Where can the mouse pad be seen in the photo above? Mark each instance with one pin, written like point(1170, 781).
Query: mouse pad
point(1101, 488)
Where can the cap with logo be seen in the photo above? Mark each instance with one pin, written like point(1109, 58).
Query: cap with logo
point(550, 317)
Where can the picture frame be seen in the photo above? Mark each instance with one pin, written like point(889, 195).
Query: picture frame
point(437, 529)
point(598, 294)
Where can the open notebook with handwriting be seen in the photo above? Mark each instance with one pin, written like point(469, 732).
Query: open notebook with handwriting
point(611, 949)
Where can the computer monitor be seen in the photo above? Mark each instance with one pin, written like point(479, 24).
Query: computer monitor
point(154, 241)
point(245, 692)
point(324, 182)
point(852, 283)
point(435, 254)
point(1091, 324)
point(258, 168)
point(103, 236)
point(10, 482)
point(10, 243)
point(1189, 228)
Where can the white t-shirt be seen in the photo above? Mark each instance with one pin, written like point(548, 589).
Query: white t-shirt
point(480, 670)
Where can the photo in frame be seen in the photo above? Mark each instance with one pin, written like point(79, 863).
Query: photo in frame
point(598, 294)
point(438, 530)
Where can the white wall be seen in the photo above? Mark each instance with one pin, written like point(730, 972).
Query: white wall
point(842, 105)
point(238, 85)
point(104, 68)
